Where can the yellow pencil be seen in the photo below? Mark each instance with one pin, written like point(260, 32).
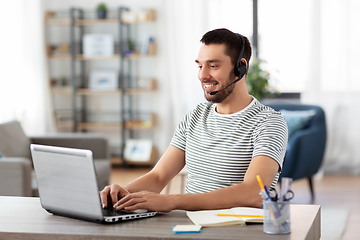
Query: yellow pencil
point(239, 215)
point(260, 183)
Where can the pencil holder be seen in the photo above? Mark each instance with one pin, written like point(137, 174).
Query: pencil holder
point(276, 217)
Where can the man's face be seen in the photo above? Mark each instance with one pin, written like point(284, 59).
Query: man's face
point(215, 72)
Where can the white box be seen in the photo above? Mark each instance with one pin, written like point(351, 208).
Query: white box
point(138, 150)
point(103, 79)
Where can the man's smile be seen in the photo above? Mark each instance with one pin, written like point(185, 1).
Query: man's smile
point(209, 86)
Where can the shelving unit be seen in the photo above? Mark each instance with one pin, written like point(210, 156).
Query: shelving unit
point(79, 116)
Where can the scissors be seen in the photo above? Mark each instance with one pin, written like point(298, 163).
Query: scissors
point(289, 194)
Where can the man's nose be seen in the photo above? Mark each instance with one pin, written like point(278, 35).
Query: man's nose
point(204, 73)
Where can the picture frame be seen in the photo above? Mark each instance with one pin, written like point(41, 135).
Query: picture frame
point(98, 45)
point(104, 79)
point(138, 150)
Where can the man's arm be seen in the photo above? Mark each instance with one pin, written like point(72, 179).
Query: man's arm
point(169, 165)
point(166, 169)
point(242, 194)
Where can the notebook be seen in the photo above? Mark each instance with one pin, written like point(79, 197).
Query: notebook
point(226, 217)
point(67, 185)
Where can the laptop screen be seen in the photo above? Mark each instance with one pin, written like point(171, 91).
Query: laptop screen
point(67, 181)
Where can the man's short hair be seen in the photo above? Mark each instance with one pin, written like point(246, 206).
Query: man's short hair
point(232, 42)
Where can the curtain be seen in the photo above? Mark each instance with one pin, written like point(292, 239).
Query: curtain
point(333, 80)
point(182, 23)
point(24, 92)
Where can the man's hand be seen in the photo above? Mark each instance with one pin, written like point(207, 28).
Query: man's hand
point(146, 200)
point(112, 194)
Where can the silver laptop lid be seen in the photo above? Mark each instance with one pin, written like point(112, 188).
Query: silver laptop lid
point(67, 181)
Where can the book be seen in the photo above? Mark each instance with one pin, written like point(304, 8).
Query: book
point(226, 217)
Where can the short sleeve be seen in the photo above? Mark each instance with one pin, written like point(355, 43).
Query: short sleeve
point(270, 138)
point(179, 138)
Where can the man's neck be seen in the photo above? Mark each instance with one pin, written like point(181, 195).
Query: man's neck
point(236, 102)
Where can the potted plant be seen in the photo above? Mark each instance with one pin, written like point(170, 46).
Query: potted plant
point(257, 81)
point(101, 10)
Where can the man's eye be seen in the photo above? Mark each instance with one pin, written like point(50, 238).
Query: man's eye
point(213, 66)
point(200, 67)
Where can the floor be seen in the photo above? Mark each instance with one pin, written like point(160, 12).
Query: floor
point(329, 191)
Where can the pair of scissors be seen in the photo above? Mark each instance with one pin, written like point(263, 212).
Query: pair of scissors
point(289, 194)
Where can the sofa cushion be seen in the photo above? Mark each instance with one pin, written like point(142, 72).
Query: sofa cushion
point(13, 141)
point(296, 119)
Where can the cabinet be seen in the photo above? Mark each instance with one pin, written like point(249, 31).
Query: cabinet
point(98, 91)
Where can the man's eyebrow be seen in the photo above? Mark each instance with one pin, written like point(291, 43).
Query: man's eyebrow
point(209, 61)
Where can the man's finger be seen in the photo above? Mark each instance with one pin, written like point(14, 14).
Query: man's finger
point(129, 203)
point(104, 196)
point(114, 193)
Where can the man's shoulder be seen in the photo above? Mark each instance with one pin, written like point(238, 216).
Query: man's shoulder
point(264, 112)
point(204, 107)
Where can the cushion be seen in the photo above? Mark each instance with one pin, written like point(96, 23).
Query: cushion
point(13, 141)
point(297, 120)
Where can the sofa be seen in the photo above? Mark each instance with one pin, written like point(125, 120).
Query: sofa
point(17, 176)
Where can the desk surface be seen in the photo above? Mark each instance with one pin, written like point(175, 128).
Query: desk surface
point(24, 218)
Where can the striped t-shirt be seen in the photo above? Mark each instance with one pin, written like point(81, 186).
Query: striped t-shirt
point(219, 147)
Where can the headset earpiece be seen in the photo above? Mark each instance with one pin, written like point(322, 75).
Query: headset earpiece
point(240, 68)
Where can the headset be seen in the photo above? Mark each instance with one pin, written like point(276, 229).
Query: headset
point(240, 68)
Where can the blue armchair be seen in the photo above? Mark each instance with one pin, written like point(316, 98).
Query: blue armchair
point(306, 146)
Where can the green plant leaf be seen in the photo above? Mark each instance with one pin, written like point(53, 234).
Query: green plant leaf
point(257, 80)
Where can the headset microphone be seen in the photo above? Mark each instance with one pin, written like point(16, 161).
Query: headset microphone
point(238, 79)
point(240, 68)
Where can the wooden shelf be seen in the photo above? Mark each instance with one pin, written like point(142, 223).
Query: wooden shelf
point(93, 92)
point(64, 126)
point(151, 87)
point(130, 124)
point(81, 57)
point(136, 124)
point(137, 55)
point(99, 126)
point(61, 90)
point(92, 22)
point(64, 56)
point(50, 20)
point(83, 91)
point(57, 22)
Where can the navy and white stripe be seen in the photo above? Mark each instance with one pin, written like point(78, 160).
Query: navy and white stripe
point(219, 147)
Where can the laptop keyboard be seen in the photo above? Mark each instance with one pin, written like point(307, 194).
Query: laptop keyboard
point(114, 212)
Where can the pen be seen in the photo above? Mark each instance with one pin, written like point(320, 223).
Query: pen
point(267, 193)
point(237, 215)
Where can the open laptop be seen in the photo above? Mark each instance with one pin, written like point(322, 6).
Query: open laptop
point(67, 185)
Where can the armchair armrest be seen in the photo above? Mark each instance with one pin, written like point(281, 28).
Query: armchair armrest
point(98, 144)
point(304, 156)
point(15, 177)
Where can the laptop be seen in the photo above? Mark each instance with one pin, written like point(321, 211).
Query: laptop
point(67, 185)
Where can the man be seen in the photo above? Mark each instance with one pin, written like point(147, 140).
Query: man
point(224, 143)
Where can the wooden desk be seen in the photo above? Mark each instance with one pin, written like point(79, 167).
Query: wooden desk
point(24, 218)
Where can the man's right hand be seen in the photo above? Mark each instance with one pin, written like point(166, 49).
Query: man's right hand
point(112, 194)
